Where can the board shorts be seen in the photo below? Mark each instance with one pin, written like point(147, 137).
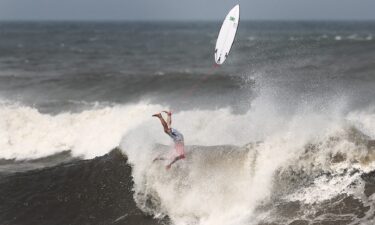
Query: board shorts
point(178, 140)
point(180, 149)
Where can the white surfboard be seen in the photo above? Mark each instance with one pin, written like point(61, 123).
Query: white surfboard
point(226, 36)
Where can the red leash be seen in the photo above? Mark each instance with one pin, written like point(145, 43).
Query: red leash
point(203, 79)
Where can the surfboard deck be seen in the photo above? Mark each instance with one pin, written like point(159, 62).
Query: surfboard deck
point(227, 34)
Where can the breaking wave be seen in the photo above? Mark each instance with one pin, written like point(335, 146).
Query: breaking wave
point(258, 167)
point(305, 164)
point(29, 134)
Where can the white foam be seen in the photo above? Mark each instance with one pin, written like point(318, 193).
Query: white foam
point(208, 190)
point(27, 133)
point(364, 120)
point(354, 37)
point(325, 188)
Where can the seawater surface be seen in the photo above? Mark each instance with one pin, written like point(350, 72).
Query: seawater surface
point(282, 133)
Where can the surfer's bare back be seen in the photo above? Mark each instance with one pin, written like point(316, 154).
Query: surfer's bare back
point(176, 136)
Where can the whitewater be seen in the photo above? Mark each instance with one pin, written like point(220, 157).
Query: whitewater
point(250, 158)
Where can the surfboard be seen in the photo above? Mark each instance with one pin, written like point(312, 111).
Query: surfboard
point(226, 35)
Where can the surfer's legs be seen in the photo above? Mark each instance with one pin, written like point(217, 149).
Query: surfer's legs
point(180, 149)
point(175, 160)
point(165, 126)
point(169, 118)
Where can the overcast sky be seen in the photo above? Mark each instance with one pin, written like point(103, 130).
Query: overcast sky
point(185, 9)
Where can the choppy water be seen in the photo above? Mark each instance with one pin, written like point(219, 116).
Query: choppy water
point(301, 93)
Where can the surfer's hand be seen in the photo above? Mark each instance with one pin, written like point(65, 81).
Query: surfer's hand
point(168, 112)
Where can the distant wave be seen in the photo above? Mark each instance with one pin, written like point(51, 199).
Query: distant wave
point(51, 94)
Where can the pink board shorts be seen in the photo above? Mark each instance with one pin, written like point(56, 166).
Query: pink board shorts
point(180, 149)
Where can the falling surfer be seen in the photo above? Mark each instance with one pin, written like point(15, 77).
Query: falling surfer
point(176, 136)
point(223, 45)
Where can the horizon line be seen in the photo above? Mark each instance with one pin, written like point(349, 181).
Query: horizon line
point(183, 20)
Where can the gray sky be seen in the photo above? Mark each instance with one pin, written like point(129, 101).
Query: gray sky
point(185, 10)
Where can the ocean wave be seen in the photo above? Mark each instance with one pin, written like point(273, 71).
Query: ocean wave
point(242, 181)
point(307, 157)
point(29, 134)
point(310, 158)
point(234, 185)
point(54, 94)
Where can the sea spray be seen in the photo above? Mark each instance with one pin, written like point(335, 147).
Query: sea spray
point(231, 184)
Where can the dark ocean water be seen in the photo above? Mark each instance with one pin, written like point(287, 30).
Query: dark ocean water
point(282, 133)
point(62, 65)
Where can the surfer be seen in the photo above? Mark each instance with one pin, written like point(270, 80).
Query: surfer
point(176, 136)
